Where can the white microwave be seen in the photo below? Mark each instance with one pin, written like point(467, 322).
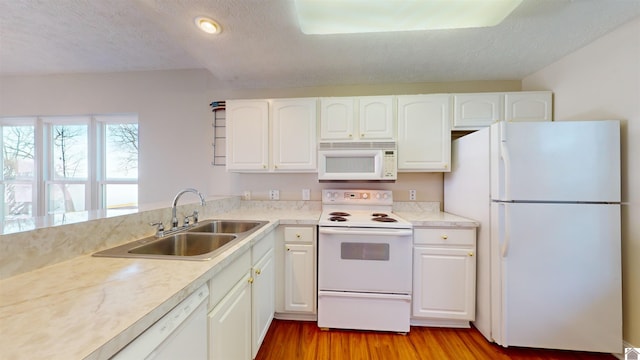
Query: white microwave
point(357, 161)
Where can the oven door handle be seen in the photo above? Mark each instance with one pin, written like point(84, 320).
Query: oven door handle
point(365, 231)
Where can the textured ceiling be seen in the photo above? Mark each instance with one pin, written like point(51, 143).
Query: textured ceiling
point(262, 47)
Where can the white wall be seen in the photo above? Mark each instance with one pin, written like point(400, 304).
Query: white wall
point(602, 81)
point(174, 118)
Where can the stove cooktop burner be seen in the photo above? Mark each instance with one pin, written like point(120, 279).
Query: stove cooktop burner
point(339, 214)
point(379, 215)
point(384, 219)
point(338, 218)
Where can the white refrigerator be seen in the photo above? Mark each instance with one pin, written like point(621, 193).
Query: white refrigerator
point(547, 196)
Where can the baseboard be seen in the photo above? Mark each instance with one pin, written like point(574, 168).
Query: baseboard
point(297, 317)
point(440, 323)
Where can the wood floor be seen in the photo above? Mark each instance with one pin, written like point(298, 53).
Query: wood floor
point(304, 340)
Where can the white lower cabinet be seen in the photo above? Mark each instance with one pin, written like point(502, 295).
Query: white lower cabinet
point(230, 324)
point(444, 277)
point(263, 291)
point(296, 284)
point(242, 303)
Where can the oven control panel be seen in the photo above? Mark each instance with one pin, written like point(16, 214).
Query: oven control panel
point(357, 197)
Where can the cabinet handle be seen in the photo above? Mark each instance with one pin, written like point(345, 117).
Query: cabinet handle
point(350, 135)
point(444, 237)
point(361, 135)
point(258, 272)
point(275, 166)
point(470, 254)
point(264, 166)
point(250, 280)
point(288, 249)
point(298, 236)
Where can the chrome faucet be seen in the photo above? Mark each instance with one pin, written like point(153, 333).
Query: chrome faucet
point(174, 217)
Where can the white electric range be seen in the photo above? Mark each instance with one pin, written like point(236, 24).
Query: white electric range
point(364, 262)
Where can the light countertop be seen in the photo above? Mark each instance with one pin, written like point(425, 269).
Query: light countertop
point(90, 307)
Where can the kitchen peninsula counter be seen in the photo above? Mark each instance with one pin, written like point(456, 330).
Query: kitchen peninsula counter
point(90, 307)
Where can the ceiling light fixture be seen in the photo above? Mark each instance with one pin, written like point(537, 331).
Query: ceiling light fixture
point(208, 25)
point(362, 16)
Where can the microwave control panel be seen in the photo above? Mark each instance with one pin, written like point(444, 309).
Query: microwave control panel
point(389, 164)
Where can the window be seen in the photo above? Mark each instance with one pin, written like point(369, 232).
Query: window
point(65, 164)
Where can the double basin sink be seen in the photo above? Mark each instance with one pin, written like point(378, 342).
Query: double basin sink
point(201, 241)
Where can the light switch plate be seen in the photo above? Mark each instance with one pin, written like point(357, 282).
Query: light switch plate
point(306, 194)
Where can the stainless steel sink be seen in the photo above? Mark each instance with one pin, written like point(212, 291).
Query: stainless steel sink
point(185, 244)
point(202, 241)
point(226, 226)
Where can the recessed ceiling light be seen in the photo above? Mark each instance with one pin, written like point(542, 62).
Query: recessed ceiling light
point(208, 25)
point(361, 16)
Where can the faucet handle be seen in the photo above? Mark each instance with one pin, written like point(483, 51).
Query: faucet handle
point(159, 228)
point(195, 216)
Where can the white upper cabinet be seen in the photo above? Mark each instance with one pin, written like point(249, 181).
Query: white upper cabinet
point(363, 118)
point(248, 135)
point(528, 106)
point(376, 118)
point(294, 134)
point(337, 118)
point(473, 111)
point(271, 136)
point(424, 133)
point(477, 110)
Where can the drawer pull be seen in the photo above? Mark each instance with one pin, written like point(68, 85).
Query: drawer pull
point(470, 254)
point(258, 272)
point(250, 280)
point(298, 236)
point(444, 237)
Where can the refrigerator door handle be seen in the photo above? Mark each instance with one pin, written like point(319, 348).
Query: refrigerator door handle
point(506, 234)
point(504, 155)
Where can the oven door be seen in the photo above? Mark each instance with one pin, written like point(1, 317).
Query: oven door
point(364, 260)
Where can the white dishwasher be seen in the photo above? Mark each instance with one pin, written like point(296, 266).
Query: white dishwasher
point(180, 334)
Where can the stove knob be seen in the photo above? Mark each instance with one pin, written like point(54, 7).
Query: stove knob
point(377, 195)
point(385, 196)
point(365, 195)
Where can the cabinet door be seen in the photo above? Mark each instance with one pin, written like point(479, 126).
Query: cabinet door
point(424, 135)
point(263, 294)
point(337, 116)
point(474, 111)
point(247, 135)
point(230, 324)
point(376, 118)
point(299, 283)
point(294, 134)
point(444, 283)
point(528, 106)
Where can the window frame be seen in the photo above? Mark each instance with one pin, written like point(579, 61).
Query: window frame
point(96, 181)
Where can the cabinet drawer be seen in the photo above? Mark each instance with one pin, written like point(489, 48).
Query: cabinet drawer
point(444, 236)
point(299, 234)
point(222, 283)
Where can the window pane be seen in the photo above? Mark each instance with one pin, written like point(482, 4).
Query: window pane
point(18, 151)
point(121, 196)
point(70, 152)
point(121, 155)
point(66, 198)
point(18, 201)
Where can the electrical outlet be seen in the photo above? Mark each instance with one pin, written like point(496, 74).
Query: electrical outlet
point(246, 195)
point(274, 194)
point(306, 194)
point(412, 195)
